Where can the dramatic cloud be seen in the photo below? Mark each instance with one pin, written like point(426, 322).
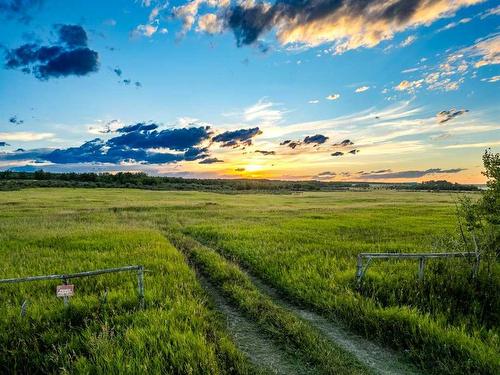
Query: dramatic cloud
point(263, 152)
point(410, 174)
point(16, 121)
point(348, 24)
point(146, 136)
point(70, 56)
point(445, 116)
point(3, 144)
point(141, 143)
point(236, 138)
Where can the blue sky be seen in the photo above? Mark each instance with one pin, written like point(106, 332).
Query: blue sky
point(415, 91)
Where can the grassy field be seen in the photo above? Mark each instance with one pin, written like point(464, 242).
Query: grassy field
point(305, 245)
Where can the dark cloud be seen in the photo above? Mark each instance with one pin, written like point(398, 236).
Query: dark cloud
point(137, 84)
point(301, 20)
point(363, 173)
point(19, 9)
point(354, 152)
point(118, 71)
point(324, 175)
point(266, 152)
point(144, 136)
point(135, 143)
point(15, 120)
point(345, 142)
point(317, 139)
point(137, 127)
point(236, 138)
point(240, 169)
point(211, 161)
point(70, 56)
point(72, 35)
point(410, 174)
point(338, 153)
point(3, 144)
point(126, 81)
point(445, 116)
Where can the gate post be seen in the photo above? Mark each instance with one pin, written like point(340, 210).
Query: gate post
point(140, 284)
point(359, 268)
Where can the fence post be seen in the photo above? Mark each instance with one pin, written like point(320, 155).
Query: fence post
point(140, 284)
point(359, 269)
point(24, 307)
point(65, 298)
point(421, 265)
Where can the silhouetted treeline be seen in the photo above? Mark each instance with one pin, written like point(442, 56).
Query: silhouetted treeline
point(11, 180)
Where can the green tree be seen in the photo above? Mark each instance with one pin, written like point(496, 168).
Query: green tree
point(480, 220)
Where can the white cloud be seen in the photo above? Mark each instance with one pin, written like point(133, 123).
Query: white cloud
point(315, 101)
point(491, 79)
point(210, 24)
point(474, 145)
point(144, 30)
point(409, 40)
point(333, 97)
point(362, 89)
point(409, 86)
point(25, 136)
point(263, 110)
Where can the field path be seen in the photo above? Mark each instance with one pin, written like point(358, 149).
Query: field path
point(260, 349)
point(381, 360)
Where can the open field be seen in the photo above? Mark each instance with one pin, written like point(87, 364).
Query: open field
point(302, 245)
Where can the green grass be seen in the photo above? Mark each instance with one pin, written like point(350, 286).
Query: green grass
point(305, 245)
point(175, 333)
point(290, 331)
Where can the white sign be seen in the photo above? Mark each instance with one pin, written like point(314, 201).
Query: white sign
point(65, 290)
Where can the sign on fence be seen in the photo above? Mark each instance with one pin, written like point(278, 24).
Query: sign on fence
point(68, 290)
point(65, 290)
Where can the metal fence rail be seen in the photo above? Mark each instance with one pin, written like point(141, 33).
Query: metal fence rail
point(66, 277)
point(361, 269)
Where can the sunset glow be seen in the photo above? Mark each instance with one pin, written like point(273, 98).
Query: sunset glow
point(174, 89)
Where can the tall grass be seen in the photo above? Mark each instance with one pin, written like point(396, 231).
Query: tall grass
point(285, 327)
point(175, 333)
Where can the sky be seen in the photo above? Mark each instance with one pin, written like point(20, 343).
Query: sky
point(347, 90)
